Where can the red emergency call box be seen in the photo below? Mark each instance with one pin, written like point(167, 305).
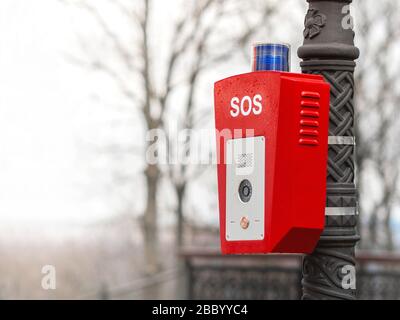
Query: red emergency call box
point(272, 140)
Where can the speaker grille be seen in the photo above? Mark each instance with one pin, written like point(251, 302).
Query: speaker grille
point(244, 160)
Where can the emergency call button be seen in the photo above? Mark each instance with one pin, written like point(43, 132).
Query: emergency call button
point(245, 190)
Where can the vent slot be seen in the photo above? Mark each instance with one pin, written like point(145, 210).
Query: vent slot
point(311, 95)
point(308, 113)
point(309, 142)
point(309, 123)
point(309, 132)
point(310, 104)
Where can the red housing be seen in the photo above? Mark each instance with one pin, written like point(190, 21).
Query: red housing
point(294, 123)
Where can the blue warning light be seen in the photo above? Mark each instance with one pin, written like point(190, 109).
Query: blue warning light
point(271, 57)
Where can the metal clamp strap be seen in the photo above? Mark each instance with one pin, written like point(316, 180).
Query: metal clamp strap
point(341, 211)
point(341, 140)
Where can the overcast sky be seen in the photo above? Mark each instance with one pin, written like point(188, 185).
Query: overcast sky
point(39, 114)
point(47, 113)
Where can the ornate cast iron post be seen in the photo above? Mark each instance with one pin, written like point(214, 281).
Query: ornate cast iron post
point(329, 50)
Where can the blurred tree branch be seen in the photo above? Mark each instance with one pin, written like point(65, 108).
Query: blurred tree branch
point(378, 116)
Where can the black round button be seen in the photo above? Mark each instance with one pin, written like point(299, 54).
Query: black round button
point(245, 191)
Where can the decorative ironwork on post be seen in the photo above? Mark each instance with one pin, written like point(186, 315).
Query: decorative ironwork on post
point(329, 50)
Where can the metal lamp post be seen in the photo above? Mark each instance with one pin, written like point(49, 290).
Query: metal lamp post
point(328, 50)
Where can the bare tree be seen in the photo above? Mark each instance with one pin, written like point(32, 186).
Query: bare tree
point(204, 58)
point(204, 34)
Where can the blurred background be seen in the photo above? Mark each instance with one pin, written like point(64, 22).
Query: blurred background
point(83, 82)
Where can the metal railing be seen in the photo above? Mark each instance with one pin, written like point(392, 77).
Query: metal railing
point(278, 277)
